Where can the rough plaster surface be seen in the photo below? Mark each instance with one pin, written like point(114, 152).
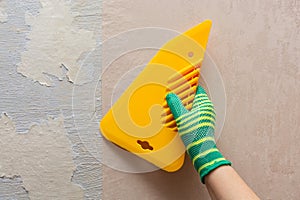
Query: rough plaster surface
point(256, 47)
point(54, 46)
point(29, 104)
point(42, 158)
point(13, 188)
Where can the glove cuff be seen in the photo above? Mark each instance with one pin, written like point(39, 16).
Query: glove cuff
point(207, 161)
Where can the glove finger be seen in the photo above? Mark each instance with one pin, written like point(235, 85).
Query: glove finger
point(175, 104)
point(200, 97)
point(200, 90)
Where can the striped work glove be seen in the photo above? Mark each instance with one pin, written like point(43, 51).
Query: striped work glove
point(196, 128)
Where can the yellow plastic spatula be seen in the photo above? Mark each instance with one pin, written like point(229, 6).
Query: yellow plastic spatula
point(140, 121)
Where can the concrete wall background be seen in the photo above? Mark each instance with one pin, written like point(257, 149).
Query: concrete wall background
point(255, 44)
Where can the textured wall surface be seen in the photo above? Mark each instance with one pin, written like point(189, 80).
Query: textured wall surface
point(255, 44)
point(42, 45)
point(48, 127)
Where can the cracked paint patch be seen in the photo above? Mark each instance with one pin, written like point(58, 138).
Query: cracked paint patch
point(42, 157)
point(54, 43)
point(3, 14)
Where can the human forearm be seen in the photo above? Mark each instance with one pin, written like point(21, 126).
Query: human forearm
point(224, 183)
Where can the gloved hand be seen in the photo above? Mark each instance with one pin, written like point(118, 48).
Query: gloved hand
point(196, 128)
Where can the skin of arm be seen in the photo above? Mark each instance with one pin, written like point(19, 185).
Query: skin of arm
point(224, 183)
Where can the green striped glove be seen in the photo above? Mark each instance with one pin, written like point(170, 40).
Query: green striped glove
point(196, 128)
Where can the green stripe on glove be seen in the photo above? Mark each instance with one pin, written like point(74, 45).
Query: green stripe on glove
point(196, 128)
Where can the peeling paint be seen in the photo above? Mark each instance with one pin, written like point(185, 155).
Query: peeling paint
point(3, 14)
point(43, 158)
point(54, 42)
point(29, 103)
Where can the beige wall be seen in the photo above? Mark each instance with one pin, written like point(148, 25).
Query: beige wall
point(255, 45)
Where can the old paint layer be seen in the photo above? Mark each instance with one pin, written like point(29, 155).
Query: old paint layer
point(54, 43)
point(43, 158)
point(29, 103)
point(3, 13)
